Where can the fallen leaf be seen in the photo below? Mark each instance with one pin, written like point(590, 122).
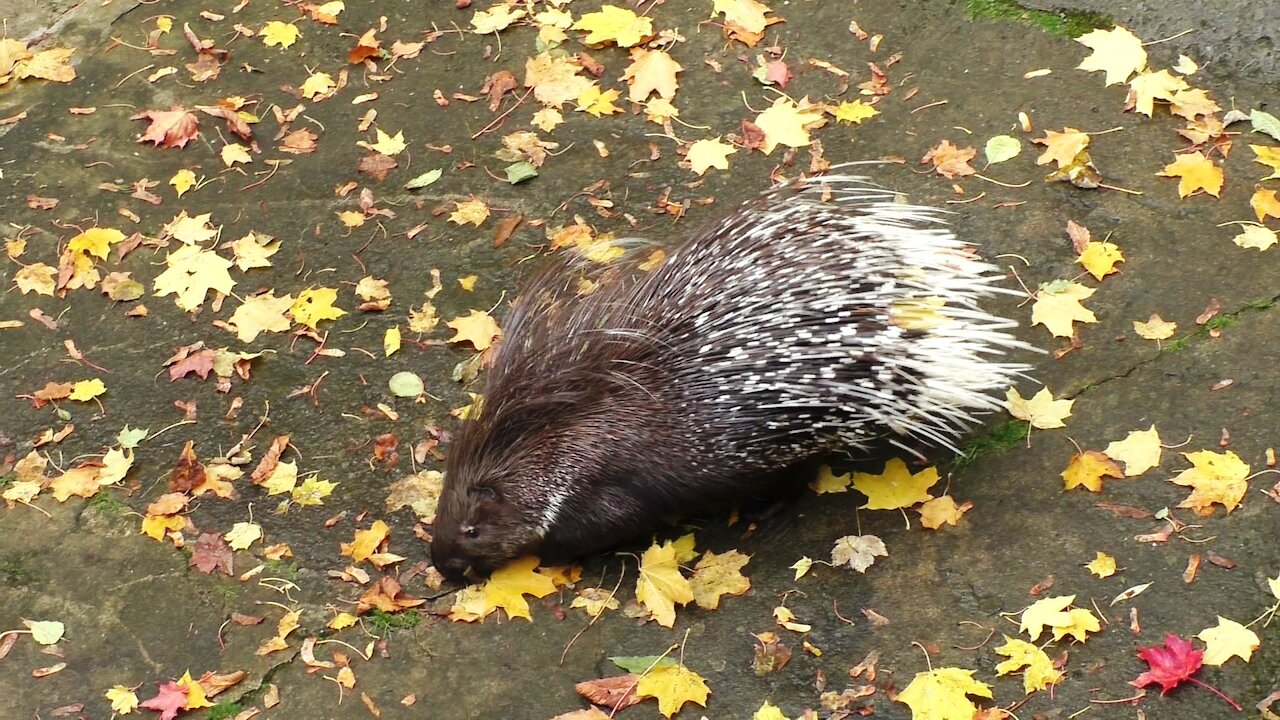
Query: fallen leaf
point(1042, 411)
point(1194, 172)
point(1117, 52)
point(1226, 640)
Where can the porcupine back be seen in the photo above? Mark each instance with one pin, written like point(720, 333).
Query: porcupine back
point(818, 317)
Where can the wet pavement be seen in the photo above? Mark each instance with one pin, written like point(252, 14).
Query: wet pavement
point(138, 614)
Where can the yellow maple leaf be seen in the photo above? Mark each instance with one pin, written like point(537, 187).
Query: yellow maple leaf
point(37, 278)
point(254, 250)
point(1139, 451)
point(895, 487)
point(366, 542)
point(53, 64)
point(283, 478)
point(259, 314)
point(1147, 87)
point(1155, 328)
point(95, 241)
point(594, 601)
point(673, 686)
point(182, 181)
point(855, 111)
point(1087, 470)
point(942, 511)
point(1194, 172)
point(1061, 147)
point(242, 535)
point(1038, 671)
point(386, 144)
point(279, 33)
point(749, 15)
point(1117, 52)
point(314, 305)
point(555, 80)
point(1226, 640)
point(598, 103)
point(190, 230)
point(661, 586)
point(123, 700)
point(614, 24)
point(472, 211)
point(1265, 204)
point(1058, 307)
point(115, 465)
point(86, 390)
point(81, 482)
point(1047, 612)
point(651, 71)
point(546, 119)
point(942, 694)
point(1102, 565)
point(1269, 156)
point(709, 153)
point(1041, 410)
point(718, 575)
point(1220, 478)
point(195, 692)
point(233, 153)
point(312, 491)
point(317, 85)
point(157, 526)
point(788, 123)
point(1100, 258)
point(660, 110)
point(1079, 623)
point(1256, 237)
point(470, 605)
point(509, 584)
point(1192, 102)
point(477, 328)
point(769, 711)
point(342, 621)
point(498, 17)
point(351, 218)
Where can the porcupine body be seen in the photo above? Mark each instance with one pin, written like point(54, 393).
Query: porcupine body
point(814, 319)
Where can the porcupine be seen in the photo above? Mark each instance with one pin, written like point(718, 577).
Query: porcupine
point(814, 319)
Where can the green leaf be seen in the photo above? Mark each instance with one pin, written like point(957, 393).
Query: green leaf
point(423, 180)
point(640, 663)
point(1265, 122)
point(1001, 148)
point(129, 437)
point(46, 632)
point(521, 171)
point(406, 385)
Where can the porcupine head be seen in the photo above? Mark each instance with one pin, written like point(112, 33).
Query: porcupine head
point(784, 332)
point(559, 462)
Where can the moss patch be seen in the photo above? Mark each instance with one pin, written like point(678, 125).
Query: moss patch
point(1005, 436)
point(224, 711)
point(1066, 23)
point(382, 623)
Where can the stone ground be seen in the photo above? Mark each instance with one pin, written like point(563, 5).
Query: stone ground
point(136, 612)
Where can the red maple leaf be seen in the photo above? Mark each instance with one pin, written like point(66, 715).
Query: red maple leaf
point(171, 699)
point(169, 128)
point(1173, 664)
point(1170, 665)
